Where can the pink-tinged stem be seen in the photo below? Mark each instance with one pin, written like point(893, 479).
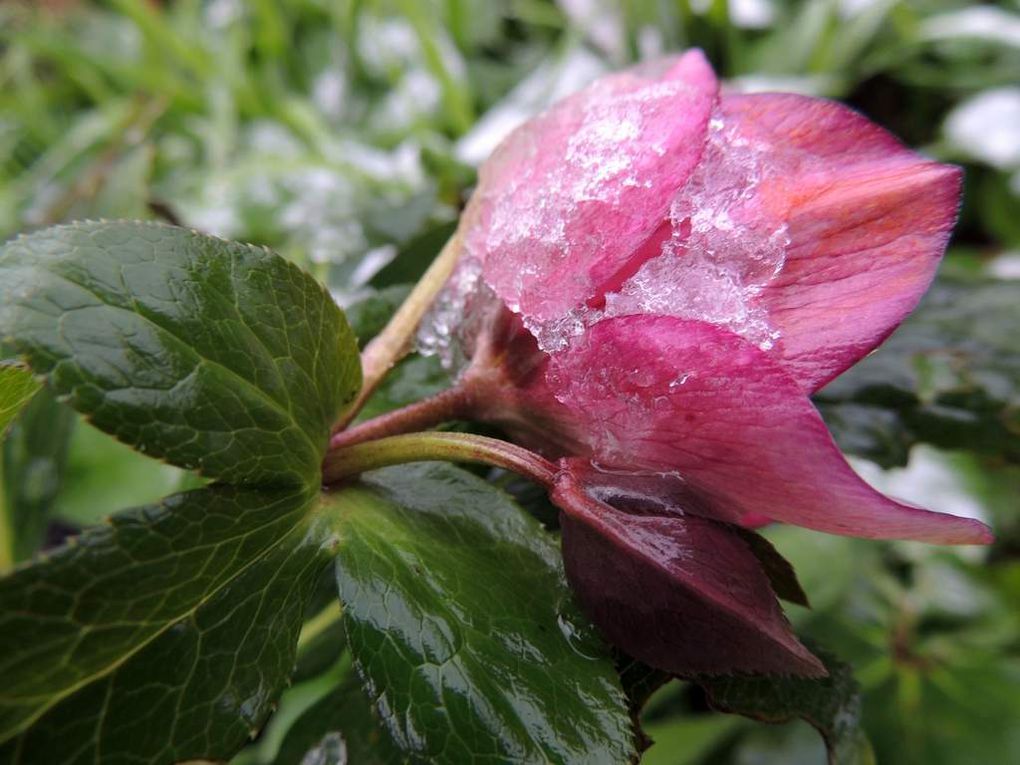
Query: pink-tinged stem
point(394, 342)
point(422, 447)
point(451, 404)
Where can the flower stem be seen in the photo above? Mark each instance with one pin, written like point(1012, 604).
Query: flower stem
point(394, 342)
point(450, 404)
point(421, 447)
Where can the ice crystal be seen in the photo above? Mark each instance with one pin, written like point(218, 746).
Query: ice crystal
point(724, 247)
point(611, 145)
point(447, 328)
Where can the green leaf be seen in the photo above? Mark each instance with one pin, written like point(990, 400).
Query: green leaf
point(415, 256)
point(329, 702)
point(33, 461)
point(950, 376)
point(831, 704)
point(216, 356)
point(322, 641)
point(413, 379)
point(17, 386)
point(639, 681)
point(688, 740)
point(368, 316)
point(463, 629)
point(167, 634)
point(342, 714)
point(163, 636)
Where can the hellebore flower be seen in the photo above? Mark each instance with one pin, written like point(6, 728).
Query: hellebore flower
point(655, 279)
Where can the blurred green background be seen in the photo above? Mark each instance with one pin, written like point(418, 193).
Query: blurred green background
point(346, 136)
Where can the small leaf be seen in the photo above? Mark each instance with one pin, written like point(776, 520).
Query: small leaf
point(463, 629)
point(415, 378)
point(343, 714)
point(17, 386)
point(368, 316)
point(163, 636)
point(639, 681)
point(831, 704)
point(320, 651)
point(215, 356)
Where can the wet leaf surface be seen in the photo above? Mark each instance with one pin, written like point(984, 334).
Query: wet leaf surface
point(105, 476)
point(163, 636)
point(215, 356)
point(168, 633)
point(458, 617)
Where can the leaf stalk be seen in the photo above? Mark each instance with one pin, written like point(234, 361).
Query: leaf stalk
point(394, 342)
point(423, 447)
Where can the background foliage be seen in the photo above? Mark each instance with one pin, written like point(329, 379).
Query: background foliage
point(345, 135)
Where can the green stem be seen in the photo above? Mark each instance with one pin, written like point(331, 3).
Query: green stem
point(423, 447)
point(394, 342)
point(6, 531)
point(451, 404)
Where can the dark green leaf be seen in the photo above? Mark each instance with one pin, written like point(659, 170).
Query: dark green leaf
point(322, 642)
point(367, 317)
point(639, 681)
point(950, 376)
point(415, 256)
point(831, 704)
point(415, 378)
point(33, 459)
point(216, 356)
point(17, 386)
point(342, 714)
point(163, 636)
point(463, 629)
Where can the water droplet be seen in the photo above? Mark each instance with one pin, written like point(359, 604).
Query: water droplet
point(575, 637)
point(331, 750)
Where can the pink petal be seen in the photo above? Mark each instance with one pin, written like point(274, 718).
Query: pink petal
point(665, 395)
point(868, 222)
point(680, 593)
point(567, 199)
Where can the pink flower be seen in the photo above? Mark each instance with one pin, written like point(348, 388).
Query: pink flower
point(658, 277)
